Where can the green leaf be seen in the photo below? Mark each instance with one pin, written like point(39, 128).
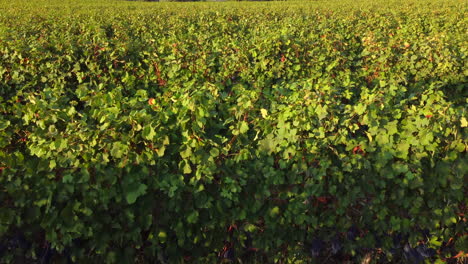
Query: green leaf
point(214, 152)
point(268, 144)
point(67, 178)
point(142, 94)
point(360, 109)
point(382, 138)
point(118, 150)
point(400, 168)
point(321, 111)
point(193, 217)
point(392, 127)
point(4, 124)
point(148, 132)
point(132, 194)
point(426, 138)
point(402, 149)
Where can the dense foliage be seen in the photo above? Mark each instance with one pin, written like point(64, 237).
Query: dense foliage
point(296, 131)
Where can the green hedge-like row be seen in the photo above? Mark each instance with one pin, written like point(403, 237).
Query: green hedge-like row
point(314, 132)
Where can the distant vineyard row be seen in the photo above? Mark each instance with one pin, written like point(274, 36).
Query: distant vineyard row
point(293, 132)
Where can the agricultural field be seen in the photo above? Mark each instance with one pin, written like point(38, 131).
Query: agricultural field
point(235, 132)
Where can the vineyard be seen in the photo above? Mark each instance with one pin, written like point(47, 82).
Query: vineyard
point(236, 132)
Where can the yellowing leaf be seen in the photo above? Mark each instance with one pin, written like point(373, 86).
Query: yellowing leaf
point(161, 151)
point(264, 112)
point(369, 136)
point(187, 169)
point(166, 140)
point(162, 236)
point(52, 164)
point(274, 211)
point(186, 153)
point(463, 121)
point(244, 127)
